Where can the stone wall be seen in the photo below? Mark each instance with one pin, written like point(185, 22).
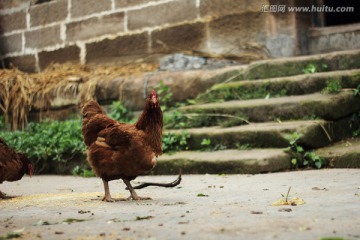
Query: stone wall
point(334, 38)
point(101, 31)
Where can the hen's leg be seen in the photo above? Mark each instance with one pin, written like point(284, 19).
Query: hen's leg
point(107, 197)
point(133, 194)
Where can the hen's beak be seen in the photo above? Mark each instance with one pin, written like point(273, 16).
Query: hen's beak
point(154, 101)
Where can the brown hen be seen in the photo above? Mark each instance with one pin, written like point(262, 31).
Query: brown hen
point(13, 165)
point(122, 151)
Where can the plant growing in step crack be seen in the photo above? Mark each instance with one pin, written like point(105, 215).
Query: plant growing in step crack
point(245, 146)
point(357, 90)
point(175, 142)
point(294, 147)
point(175, 120)
point(354, 124)
point(311, 158)
point(206, 142)
point(300, 157)
point(333, 85)
point(208, 146)
point(313, 68)
point(310, 68)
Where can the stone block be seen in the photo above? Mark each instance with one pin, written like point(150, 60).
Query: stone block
point(95, 26)
point(62, 55)
point(81, 8)
point(12, 22)
point(6, 4)
point(26, 63)
point(49, 12)
point(237, 33)
point(166, 13)
point(122, 46)
point(10, 43)
point(221, 7)
point(178, 38)
point(43, 37)
point(131, 3)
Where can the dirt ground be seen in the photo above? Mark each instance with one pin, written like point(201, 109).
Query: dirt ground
point(201, 207)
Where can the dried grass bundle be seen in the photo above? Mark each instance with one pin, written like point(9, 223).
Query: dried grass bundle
point(20, 91)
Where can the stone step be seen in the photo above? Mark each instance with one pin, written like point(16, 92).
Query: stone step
point(284, 86)
point(224, 162)
point(259, 135)
point(325, 106)
point(281, 67)
point(344, 154)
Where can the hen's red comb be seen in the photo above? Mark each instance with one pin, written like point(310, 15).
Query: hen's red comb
point(153, 93)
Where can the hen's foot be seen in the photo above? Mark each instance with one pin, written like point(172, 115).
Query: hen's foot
point(108, 199)
point(137, 198)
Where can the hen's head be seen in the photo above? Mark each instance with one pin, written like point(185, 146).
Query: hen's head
point(153, 100)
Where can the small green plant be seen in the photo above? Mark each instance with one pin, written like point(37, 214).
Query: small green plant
point(206, 142)
point(311, 158)
point(300, 156)
point(310, 68)
point(332, 86)
point(79, 171)
point(174, 120)
point(313, 68)
point(120, 113)
point(207, 145)
point(354, 124)
point(245, 146)
point(165, 95)
point(175, 142)
point(357, 90)
point(293, 142)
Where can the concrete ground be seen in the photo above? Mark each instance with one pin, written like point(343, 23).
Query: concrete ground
point(201, 207)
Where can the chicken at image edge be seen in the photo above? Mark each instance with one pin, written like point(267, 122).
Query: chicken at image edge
point(13, 165)
point(122, 151)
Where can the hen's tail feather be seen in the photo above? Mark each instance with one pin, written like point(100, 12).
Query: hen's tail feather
point(94, 121)
point(91, 108)
point(168, 185)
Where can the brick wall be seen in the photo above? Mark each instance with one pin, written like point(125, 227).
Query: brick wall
point(97, 31)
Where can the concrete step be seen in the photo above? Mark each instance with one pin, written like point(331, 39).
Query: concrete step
point(281, 67)
point(224, 162)
point(325, 106)
point(261, 135)
point(284, 86)
point(344, 154)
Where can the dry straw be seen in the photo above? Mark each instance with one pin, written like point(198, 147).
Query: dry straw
point(20, 91)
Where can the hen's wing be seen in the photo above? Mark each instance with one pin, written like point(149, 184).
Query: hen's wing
point(117, 136)
point(94, 126)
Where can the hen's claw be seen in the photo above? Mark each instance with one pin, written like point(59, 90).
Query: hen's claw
point(138, 198)
point(133, 194)
point(108, 199)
